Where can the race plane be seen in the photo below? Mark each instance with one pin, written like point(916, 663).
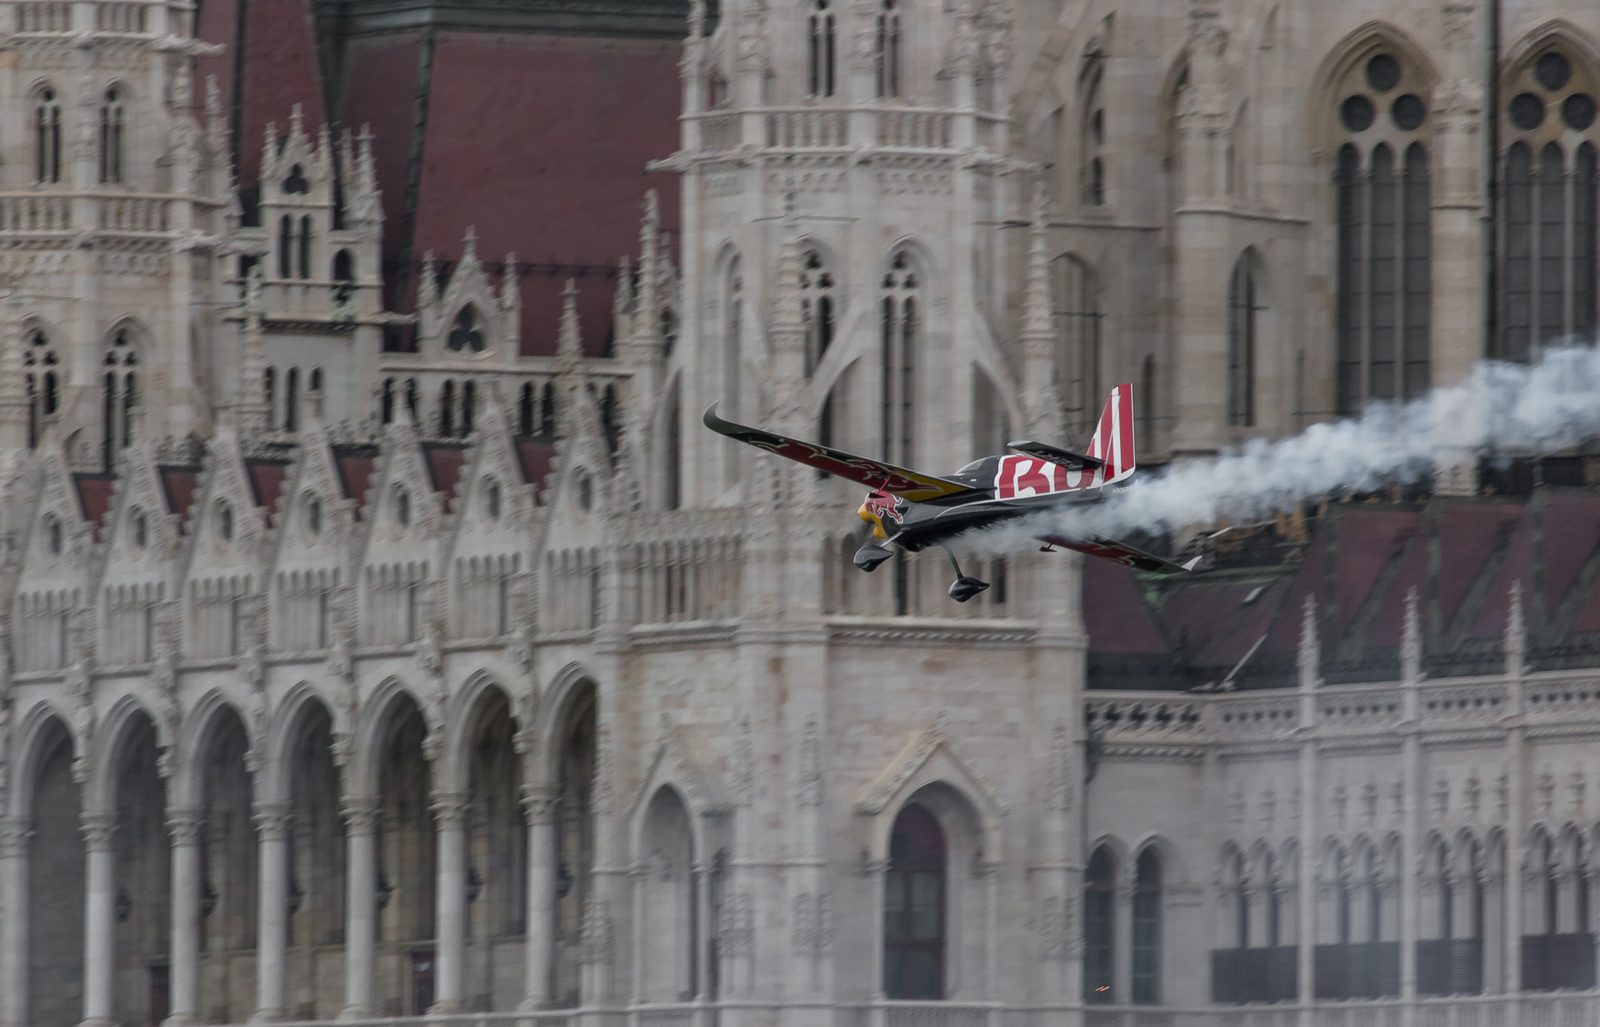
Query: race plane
point(913, 510)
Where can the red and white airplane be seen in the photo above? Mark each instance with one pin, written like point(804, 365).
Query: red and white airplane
point(913, 510)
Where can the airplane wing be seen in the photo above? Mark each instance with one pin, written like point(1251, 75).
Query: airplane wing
point(1065, 457)
point(1122, 553)
point(900, 481)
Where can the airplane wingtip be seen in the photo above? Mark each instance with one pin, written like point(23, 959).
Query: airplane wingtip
point(1191, 564)
point(709, 418)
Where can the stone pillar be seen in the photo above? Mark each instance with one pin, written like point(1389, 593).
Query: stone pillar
point(361, 915)
point(540, 806)
point(99, 921)
point(272, 821)
point(184, 823)
point(15, 835)
point(450, 818)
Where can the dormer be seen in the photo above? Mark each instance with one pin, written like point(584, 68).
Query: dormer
point(470, 322)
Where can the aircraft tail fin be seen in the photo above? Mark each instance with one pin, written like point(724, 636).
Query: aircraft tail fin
point(1113, 436)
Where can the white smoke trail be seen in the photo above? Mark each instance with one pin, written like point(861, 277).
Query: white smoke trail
point(1500, 409)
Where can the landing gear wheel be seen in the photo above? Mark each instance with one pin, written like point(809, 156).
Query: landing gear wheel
point(868, 558)
point(964, 588)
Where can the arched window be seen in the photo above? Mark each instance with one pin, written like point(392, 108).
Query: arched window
point(820, 26)
point(386, 403)
point(817, 307)
point(1548, 219)
point(525, 410)
point(291, 399)
point(547, 410)
point(119, 396)
point(732, 359)
point(900, 337)
point(305, 246)
point(914, 907)
point(469, 396)
point(43, 383)
point(447, 409)
point(1099, 928)
point(669, 331)
point(1240, 886)
point(1092, 136)
point(1147, 928)
point(344, 267)
point(886, 48)
point(672, 452)
point(296, 183)
point(1242, 308)
point(1075, 301)
point(46, 137)
point(1382, 199)
point(668, 901)
point(412, 401)
point(112, 117)
point(269, 394)
point(285, 246)
point(467, 335)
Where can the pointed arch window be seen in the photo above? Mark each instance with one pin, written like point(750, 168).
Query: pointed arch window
point(1092, 136)
point(467, 334)
point(732, 358)
point(1383, 200)
point(119, 396)
point(43, 369)
point(386, 402)
point(447, 409)
point(1242, 310)
point(672, 455)
point(291, 399)
point(817, 307)
point(1099, 931)
point(886, 48)
point(547, 410)
point(1147, 929)
point(112, 119)
point(285, 246)
point(1075, 302)
point(525, 410)
point(900, 337)
point(47, 137)
point(304, 261)
point(821, 47)
point(914, 907)
point(1547, 226)
point(469, 403)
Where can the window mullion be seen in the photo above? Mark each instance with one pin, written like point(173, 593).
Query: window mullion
point(1364, 277)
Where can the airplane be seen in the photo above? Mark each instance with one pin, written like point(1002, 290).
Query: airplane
point(912, 510)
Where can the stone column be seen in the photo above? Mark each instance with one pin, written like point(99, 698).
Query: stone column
point(184, 823)
point(540, 806)
point(272, 821)
point(450, 819)
point(99, 921)
point(15, 836)
point(361, 916)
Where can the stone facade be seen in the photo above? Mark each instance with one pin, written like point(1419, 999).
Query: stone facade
point(341, 681)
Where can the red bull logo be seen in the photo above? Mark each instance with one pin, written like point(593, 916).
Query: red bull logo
point(879, 506)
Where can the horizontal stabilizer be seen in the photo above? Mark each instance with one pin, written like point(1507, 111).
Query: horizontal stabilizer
point(1065, 457)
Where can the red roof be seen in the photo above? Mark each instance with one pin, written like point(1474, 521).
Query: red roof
point(266, 483)
point(444, 468)
point(1368, 541)
point(1114, 611)
point(355, 470)
point(1518, 567)
point(1571, 532)
point(535, 459)
point(179, 484)
point(1468, 533)
point(94, 497)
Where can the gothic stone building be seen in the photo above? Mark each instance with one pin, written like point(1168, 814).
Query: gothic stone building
point(349, 680)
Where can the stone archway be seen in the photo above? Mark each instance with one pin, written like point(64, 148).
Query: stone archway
point(142, 880)
point(575, 776)
point(407, 866)
point(497, 864)
point(317, 870)
point(56, 888)
point(229, 874)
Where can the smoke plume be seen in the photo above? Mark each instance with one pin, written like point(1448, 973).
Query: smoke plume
point(1499, 410)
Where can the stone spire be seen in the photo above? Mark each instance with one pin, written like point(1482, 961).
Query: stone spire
point(428, 284)
point(1516, 641)
point(1309, 663)
point(569, 342)
point(366, 199)
point(649, 236)
point(1411, 641)
point(511, 285)
point(1041, 401)
point(251, 410)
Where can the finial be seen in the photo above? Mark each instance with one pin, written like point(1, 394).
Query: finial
point(1411, 642)
point(470, 245)
point(570, 344)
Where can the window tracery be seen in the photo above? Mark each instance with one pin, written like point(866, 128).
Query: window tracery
point(47, 137)
point(112, 119)
point(886, 48)
point(817, 307)
point(119, 396)
point(42, 369)
point(467, 334)
point(900, 337)
point(1548, 222)
point(821, 47)
point(914, 907)
point(1075, 300)
point(1243, 306)
point(1092, 137)
point(1383, 200)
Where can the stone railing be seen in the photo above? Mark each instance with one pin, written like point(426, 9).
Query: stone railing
point(806, 128)
point(1343, 710)
point(913, 128)
point(134, 214)
point(122, 17)
point(685, 579)
point(719, 131)
point(1561, 1010)
point(44, 16)
point(35, 213)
